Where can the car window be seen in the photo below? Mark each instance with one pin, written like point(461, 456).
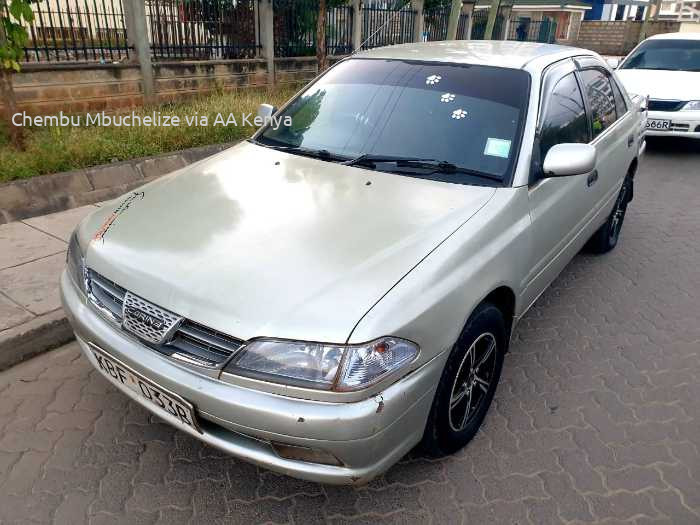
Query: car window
point(468, 115)
point(600, 98)
point(669, 55)
point(565, 116)
point(620, 103)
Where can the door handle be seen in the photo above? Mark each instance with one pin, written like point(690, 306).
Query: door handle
point(630, 141)
point(592, 178)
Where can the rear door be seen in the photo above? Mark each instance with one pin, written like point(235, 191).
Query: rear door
point(613, 133)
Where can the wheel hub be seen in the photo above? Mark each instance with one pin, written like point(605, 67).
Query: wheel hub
point(472, 381)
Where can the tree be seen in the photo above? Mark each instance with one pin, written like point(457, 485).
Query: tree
point(321, 36)
point(13, 37)
point(321, 21)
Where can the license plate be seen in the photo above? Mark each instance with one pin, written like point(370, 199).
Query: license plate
point(658, 125)
point(171, 406)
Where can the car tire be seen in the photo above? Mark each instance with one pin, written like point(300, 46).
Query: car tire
point(453, 421)
point(605, 239)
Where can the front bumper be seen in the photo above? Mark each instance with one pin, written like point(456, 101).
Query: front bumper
point(366, 436)
point(683, 124)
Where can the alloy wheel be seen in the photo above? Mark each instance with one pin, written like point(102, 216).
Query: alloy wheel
point(472, 382)
point(618, 215)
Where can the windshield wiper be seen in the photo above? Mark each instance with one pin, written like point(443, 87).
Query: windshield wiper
point(369, 159)
point(323, 154)
point(433, 165)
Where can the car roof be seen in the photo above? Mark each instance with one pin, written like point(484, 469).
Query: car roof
point(514, 55)
point(675, 36)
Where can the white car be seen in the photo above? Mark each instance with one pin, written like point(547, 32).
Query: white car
point(666, 68)
point(325, 296)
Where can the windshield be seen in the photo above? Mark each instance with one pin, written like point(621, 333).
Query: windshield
point(466, 116)
point(671, 55)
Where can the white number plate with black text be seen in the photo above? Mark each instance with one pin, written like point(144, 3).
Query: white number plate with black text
point(173, 407)
point(658, 125)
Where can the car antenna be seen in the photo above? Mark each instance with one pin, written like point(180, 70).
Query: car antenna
point(391, 19)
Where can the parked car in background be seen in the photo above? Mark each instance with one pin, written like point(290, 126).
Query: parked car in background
point(666, 68)
point(327, 295)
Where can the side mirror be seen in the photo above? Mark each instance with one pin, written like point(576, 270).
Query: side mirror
point(564, 160)
point(266, 111)
point(613, 62)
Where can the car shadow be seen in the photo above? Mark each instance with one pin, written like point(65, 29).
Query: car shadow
point(673, 145)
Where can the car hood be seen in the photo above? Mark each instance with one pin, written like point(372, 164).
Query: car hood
point(257, 242)
point(665, 85)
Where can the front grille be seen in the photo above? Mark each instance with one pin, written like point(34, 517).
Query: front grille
point(203, 343)
point(193, 341)
point(106, 294)
point(665, 105)
point(147, 320)
point(680, 127)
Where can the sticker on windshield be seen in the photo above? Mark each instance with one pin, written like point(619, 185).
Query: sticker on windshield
point(497, 148)
point(447, 97)
point(433, 79)
point(459, 114)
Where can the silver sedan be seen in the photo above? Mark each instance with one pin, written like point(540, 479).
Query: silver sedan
point(342, 287)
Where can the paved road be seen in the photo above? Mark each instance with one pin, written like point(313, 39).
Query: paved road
point(597, 417)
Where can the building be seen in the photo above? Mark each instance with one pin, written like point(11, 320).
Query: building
point(538, 20)
point(611, 10)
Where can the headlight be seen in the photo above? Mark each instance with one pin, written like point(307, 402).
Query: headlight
point(75, 262)
point(693, 105)
point(322, 366)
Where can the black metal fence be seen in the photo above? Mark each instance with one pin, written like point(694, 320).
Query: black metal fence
point(526, 30)
point(76, 31)
point(462, 27)
point(295, 28)
point(383, 26)
point(436, 21)
point(95, 30)
point(339, 22)
point(202, 29)
point(480, 20)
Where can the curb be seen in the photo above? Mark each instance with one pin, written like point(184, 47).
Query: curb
point(37, 336)
point(44, 194)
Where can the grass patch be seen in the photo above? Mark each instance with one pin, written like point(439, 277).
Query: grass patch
point(56, 149)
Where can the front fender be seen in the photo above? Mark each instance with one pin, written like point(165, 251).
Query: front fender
point(433, 302)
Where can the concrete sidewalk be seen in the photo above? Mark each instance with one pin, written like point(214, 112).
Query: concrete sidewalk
point(32, 256)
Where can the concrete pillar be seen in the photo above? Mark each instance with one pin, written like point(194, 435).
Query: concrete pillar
point(651, 14)
point(419, 22)
point(470, 10)
point(137, 37)
point(506, 30)
point(256, 17)
point(356, 24)
point(452, 25)
point(574, 27)
point(267, 37)
point(491, 22)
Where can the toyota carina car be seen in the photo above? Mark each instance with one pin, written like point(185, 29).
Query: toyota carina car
point(338, 289)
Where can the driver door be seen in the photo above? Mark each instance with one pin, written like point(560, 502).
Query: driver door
point(559, 206)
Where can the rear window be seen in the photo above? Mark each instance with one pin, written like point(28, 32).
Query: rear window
point(601, 99)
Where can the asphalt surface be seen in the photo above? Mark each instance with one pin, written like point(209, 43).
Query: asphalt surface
point(597, 418)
